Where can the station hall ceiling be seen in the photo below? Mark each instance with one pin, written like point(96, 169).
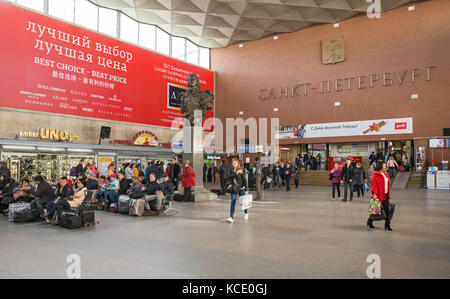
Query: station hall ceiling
point(221, 23)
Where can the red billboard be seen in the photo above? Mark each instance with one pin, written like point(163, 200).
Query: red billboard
point(49, 65)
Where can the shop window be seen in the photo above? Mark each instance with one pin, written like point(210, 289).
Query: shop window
point(147, 36)
point(128, 29)
point(33, 4)
point(107, 22)
point(63, 9)
point(86, 14)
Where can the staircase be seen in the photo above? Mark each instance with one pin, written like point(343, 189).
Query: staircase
point(314, 178)
point(416, 181)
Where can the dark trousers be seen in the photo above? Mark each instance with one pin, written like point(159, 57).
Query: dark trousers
point(37, 205)
point(62, 206)
point(359, 190)
point(187, 194)
point(223, 185)
point(387, 210)
point(296, 183)
point(336, 186)
point(288, 183)
point(50, 207)
point(175, 183)
point(348, 186)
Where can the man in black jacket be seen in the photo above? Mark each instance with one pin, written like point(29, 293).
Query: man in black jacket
point(124, 184)
point(154, 192)
point(174, 172)
point(43, 193)
point(80, 168)
point(63, 191)
point(347, 178)
point(167, 187)
point(92, 182)
point(223, 170)
point(6, 197)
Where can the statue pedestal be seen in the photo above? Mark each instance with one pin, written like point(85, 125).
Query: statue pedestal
point(197, 161)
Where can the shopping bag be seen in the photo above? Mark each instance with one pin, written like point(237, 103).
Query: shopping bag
point(374, 206)
point(245, 202)
point(366, 187)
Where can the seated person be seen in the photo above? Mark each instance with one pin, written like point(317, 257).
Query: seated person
point(63, 191)
point(92, 182)
point(135, 190)
point(124, 183)
point(111, 193)
point(153, 190)
point(43, 194)
point(103, 183)
point(65, 205)
point(6, 197)
point(21, 194)
point(167, 187)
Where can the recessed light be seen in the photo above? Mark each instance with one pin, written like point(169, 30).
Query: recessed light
point(241, 112)
point(414, 96)
point(275, 37)
point(412, 7)
point(241, 45)
point(336, 25)
point(275, 109)
point(337, 103)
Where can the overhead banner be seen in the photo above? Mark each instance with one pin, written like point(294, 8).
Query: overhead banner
point(350, 128)
point(53, 66)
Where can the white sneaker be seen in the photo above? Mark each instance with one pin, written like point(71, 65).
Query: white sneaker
point(230, 220)
point(245, 216)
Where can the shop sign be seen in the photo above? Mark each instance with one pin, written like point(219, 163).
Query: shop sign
point(50, 134)
point(350, 128)
point(103, 163)
point(144, 138)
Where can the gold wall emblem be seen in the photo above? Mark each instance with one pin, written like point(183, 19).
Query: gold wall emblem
point(333, 50)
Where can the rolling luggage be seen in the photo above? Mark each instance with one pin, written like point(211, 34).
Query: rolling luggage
point(16, 207)
point(87, 213)
point(124, 204)
point(71, 221)
point(137, 207)
point(26, 215)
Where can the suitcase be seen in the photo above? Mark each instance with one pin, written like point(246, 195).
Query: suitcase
point(124, 204)
point(26, 215)
point(71, 221)
point(137, 207)
point(87, 214)
point(17, 207)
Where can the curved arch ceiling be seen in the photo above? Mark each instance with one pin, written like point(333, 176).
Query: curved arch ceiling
point(220, 23)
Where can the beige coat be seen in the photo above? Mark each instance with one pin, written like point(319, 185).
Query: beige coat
point(78, 198)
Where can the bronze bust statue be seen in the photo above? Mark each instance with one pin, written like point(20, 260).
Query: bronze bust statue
point(195, 99)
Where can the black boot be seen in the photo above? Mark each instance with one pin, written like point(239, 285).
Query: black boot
point(387, 225)
point(370, 225)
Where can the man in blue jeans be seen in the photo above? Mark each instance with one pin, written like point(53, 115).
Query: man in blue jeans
point(276, 175)
point(346, 178)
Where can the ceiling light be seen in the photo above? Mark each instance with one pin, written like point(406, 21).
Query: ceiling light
point(275, 109)
point(80, 150)
point(275, 37)
point(414, 96)
point(336, 25)
point(412, 7)
point(241, 112)
point(51, 149)
point(241, 45)
point(19, 147)
point(337, 103)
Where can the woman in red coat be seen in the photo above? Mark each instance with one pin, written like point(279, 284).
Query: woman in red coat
point(380, 187)
point(188, 181)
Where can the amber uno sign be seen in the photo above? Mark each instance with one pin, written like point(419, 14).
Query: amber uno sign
point(388, 79)
point(50, 134)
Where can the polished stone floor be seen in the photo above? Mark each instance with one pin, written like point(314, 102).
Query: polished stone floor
point(301, 234)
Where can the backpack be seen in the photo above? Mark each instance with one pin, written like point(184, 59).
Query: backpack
point(73, 171)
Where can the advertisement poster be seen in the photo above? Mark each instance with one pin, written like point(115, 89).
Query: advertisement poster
point(103, 163)
point(350, 128)
point(52, 66)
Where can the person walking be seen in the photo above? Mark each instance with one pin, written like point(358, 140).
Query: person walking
point(276, 172)
point(319, 160)
point(258, 173)
point(347, 178)
point(296, 176)
point(335, 176)
point(188, 181)
point(391, 165)
point(372, 158)
point(237, 178)
point(359, 177)
point(223, 170)
point(380, 188)
point(288, 171)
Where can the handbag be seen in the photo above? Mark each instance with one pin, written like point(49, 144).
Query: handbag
point(366, 187)
point(245, 202)
point(374, 206)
